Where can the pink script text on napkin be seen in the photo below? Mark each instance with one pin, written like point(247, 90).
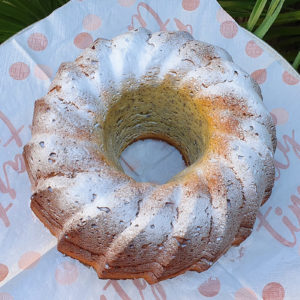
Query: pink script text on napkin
point(285, 147)
point(17, 164)
point(157, 289)
point(162, 25)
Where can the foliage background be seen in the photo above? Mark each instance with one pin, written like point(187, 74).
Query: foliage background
point(275, 21)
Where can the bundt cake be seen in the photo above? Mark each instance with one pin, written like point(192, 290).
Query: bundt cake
point(164, 85)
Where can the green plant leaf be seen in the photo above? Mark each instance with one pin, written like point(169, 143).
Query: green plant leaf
point(268, 21)
point(240, 5)
point(296, 62)
point(272, 8)
point(288, 17)
point(255, 14)
point(17, 14)
point(10, 11)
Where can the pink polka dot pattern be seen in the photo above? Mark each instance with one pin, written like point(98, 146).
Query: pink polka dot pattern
point(210, 287)
point(37, 41)
point(229, 29)
point(91, 22)
point(245, 294)
point(259, 76)
point(3, 272)
point(83, 40)
point(42, 72)
point(29, 260)
point(280, 115)
point(273, 291)
point(66, 273)
point(289, 79)
point(19, 71)
point(126, 2)
point(190, 5)
point(102, 297)
point(6, 296)
point(253, 50)
point(223, 16)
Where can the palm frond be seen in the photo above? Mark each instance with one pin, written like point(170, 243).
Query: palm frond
point(18, 14)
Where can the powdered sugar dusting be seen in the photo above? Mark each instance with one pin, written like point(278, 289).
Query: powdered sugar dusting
point(155, 227)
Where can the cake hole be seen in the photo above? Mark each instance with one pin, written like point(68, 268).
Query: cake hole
point(42, 144)
point(151, 160)
point(153, 132)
